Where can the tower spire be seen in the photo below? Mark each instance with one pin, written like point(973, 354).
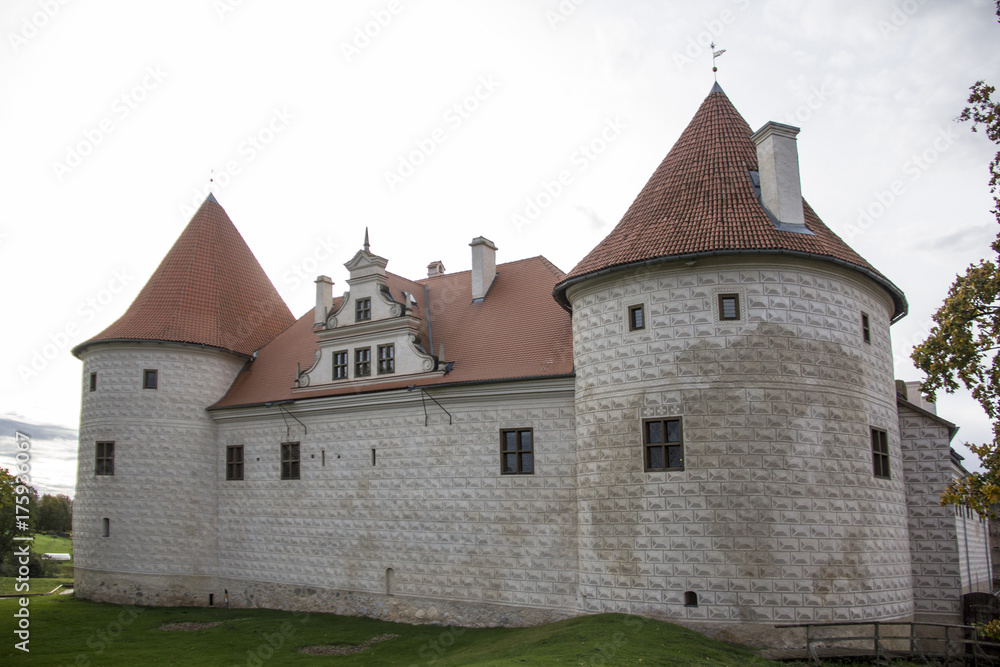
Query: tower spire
point(366, 240)
point(715, 54)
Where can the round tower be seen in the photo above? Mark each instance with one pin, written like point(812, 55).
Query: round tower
point(145, 512)
point(739, 455)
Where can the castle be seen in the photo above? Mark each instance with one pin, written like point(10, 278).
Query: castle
point(698, 422)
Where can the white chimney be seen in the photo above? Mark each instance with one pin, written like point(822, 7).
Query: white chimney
point(324, 299)
point(915, 396)
point(484, 266)
point(778, 165)
point(435, 268)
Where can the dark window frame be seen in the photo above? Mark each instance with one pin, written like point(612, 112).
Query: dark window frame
point(722, 307)
point(866, 328)
point(386, 365)
point(150, 378)
point(93, 381)
point(362, 309)
point(341, 365)
point(519, 452)
point(362, 367)
point(291, 460)
point(665, 445)
point(234, 467)
point(880, 453)
point(633, 323)
point(104, 458)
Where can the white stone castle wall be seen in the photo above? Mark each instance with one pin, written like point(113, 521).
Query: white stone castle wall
point(973, 561)
point(934, 540)
point(777, 515)
point(162, 499)
point(434, 508)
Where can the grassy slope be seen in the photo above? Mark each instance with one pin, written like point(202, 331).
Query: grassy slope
point(64, 628)
point(47, 544)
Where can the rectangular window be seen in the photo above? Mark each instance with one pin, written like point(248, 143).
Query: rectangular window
point(104, 459)
point(516, 451)
point(289, 460)
point(93, 382)
point(880, 453)
point(636, 318)
point(340, 365)
point(362, 362)
point(105, 527)
point(866, 331)
point(149, 379)
point(729, 306)
point(362, 310)
point(664, 444)
point(234, 462)
point(386, 359)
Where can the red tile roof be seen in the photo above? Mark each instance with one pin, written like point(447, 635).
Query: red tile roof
point(518, 331)
point(700, 200)
point(208, 290)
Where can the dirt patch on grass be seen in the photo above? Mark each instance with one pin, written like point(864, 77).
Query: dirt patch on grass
point(346, 650)
point(190, 625)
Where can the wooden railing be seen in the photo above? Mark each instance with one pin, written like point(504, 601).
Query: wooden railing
point(955, 644)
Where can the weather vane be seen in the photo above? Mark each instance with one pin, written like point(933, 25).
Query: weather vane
point(211, 181)
point(715, 54)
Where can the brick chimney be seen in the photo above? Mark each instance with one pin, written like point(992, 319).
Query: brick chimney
point(484, 267)
point(778, 165)
point(324, 300)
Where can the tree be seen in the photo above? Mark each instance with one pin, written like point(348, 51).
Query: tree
point(10, 489)
point(55, 513)
point(964, 344)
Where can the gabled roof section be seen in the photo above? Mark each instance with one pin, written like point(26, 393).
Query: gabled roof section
point(517, 332)
point(701, 201)
point(208, 290)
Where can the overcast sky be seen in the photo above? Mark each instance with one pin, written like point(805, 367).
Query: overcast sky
point(436, 121)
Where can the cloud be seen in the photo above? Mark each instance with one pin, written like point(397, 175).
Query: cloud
point(964, 239)
point(36, 431)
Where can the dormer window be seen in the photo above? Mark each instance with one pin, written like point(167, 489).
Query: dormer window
point(363, 310)
point(386, 359)
point(362, 362)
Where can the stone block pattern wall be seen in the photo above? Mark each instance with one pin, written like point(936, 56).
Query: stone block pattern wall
point(162, 499)
point(934, 540)
point(434, 507)
point(973, 561)
point(776, 516)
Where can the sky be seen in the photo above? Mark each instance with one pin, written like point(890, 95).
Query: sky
point(431, 122)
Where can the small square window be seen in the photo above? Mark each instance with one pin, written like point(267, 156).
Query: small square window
point(664, 444)
point(289, 460)
point(729, 306)
point(880, 453)
point(362, 362)
point(104, 458)
point(363, 309)
point(93, 381)
point(517, 452)
point(234, 462)
point(866, 330)
point(636, 318)
point(386, 359)
point(340, 365)
point(149, 379)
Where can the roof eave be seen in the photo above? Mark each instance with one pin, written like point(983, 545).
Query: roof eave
point(900, 306)
point(78, 350)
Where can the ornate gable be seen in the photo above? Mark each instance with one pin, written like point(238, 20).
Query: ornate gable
point(373, 335)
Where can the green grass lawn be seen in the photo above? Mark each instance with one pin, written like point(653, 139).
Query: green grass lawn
point(66, 631)
point(48, 544)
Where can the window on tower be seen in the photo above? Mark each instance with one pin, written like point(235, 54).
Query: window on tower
point(663, 442)
point(104, 459)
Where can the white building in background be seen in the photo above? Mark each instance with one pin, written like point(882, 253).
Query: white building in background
point(698, 422)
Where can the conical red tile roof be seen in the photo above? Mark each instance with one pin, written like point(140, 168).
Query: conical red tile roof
point(701, 201)
point(208, 290)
